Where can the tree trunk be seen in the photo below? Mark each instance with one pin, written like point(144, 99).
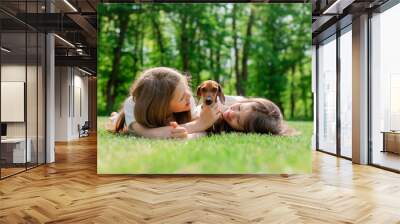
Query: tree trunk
point(112, 81)
point(159, 38)
point(304, 90)
point(239, 89)
point(198, 54)
point(292, 93)
point(218, 65)
point(246, 47)
point(277, 100)
point(184, 45)
point(136, 56)
point(141, 54)
point(140, 41)
point(211, 59)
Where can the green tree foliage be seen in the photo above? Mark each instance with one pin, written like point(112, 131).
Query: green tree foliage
point(259, 50)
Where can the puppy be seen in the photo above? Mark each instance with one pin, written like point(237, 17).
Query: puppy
point(209, 92)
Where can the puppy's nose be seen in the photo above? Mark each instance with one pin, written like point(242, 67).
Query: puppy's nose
point(208, 100)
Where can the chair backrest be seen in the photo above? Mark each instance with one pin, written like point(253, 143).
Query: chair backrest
point(86, 125)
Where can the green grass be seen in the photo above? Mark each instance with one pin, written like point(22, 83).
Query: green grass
point(218, 154)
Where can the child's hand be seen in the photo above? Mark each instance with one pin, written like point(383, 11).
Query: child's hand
point(209, 115)
point(178, 131)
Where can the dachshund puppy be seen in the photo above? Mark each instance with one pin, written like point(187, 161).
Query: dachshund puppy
point(209, 91)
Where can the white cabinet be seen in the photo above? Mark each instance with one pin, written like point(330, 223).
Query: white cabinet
point(18, 149)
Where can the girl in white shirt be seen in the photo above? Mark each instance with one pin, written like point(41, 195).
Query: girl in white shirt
point(161, 106)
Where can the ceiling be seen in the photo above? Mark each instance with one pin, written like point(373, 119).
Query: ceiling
point(330, 15)
point(76, 21)
point(76, 29)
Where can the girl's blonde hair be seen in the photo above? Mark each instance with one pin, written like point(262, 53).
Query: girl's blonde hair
point(152, 93)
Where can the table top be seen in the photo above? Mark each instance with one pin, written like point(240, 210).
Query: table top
point(13, 140)
point(391, 132)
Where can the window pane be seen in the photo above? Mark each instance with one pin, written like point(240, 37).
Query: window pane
point(327, 96)
point(385, 86)
point(31, 97)
point(346, 93)
point(14, 150)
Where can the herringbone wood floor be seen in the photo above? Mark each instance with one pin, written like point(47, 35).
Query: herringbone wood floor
point(70, 191)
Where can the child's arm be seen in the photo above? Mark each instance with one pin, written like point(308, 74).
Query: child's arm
point(172, 131)
point(208, 116)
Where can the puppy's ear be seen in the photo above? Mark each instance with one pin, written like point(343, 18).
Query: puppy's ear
point(221, 94)
point(199, 90)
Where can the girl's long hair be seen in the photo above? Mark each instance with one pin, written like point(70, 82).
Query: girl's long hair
point(266, 118)
point(152, 93)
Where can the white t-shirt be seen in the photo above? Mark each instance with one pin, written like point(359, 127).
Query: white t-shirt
point(129, 106)
point(229, 100)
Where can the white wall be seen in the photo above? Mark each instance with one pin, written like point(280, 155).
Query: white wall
point(12, 100)
point(14, 72)
point(70, 83)
point(61, 103)
point(80, 88)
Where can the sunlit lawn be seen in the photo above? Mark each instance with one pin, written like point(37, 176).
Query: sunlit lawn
point(226, 153)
